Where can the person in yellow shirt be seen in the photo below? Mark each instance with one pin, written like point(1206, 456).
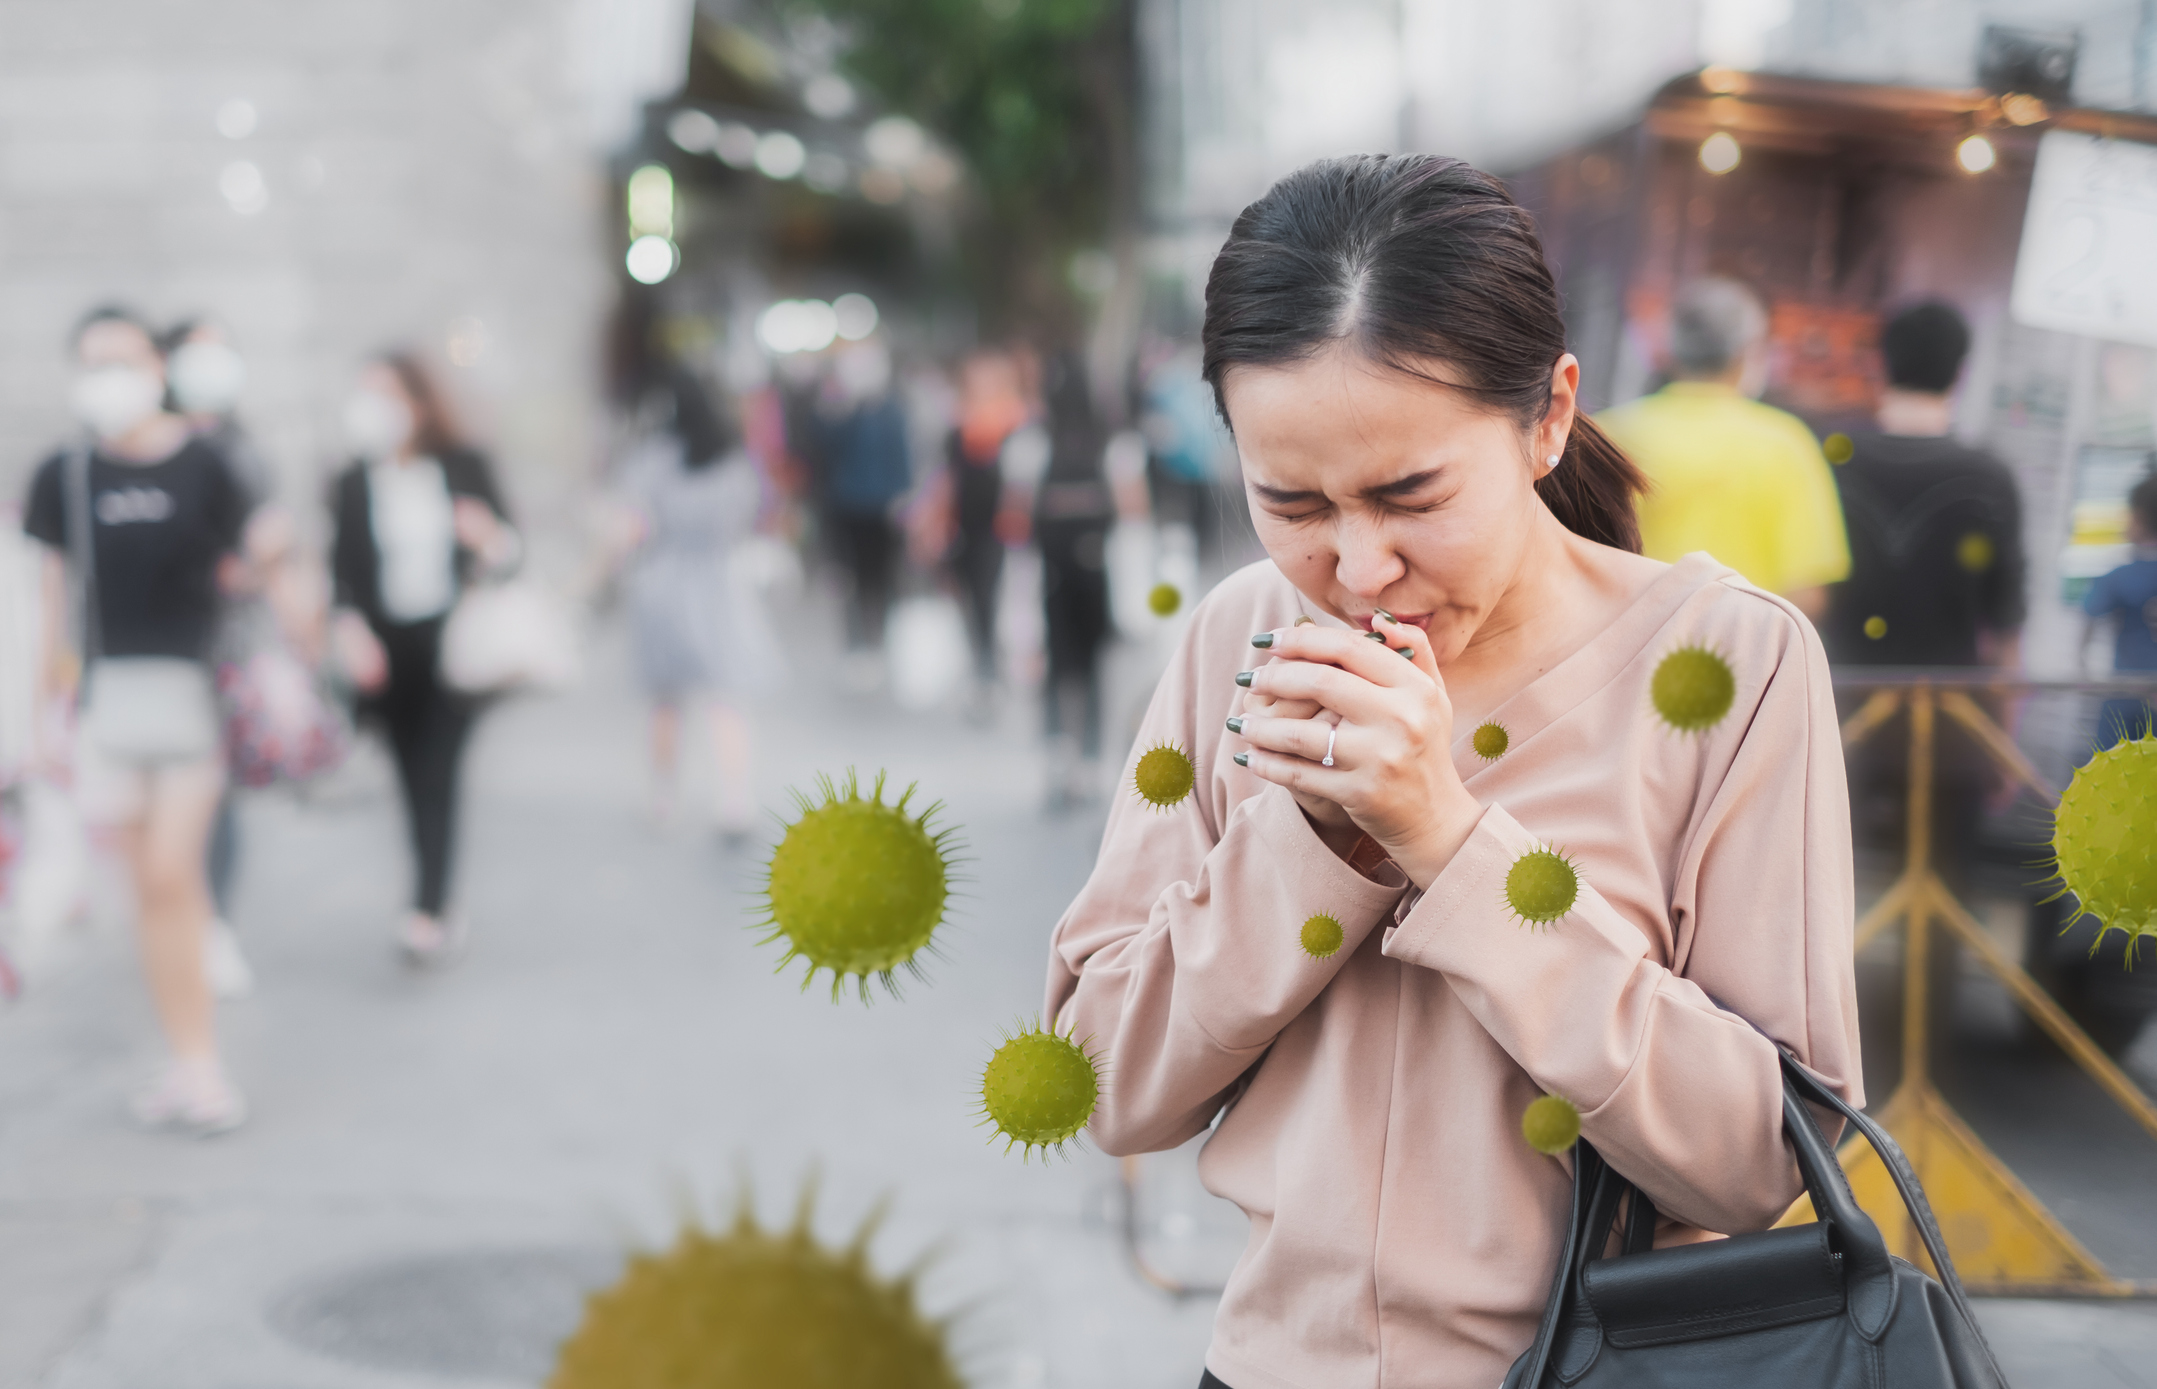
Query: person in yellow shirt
point(1744, 481)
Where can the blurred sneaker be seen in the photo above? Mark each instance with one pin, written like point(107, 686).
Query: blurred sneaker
point(224, 965)
point(195, 1097)
point(429, 942)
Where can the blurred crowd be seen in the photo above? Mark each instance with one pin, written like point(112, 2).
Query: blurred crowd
point(981, 526)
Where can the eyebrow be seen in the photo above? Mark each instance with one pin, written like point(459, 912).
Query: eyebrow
point(1385, 491)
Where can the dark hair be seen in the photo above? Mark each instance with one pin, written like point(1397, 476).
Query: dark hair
point(110, 313)
point(1924, 346)
point(2142, 501)
point(1416, 260)
point(707, 432)
point(434, 425)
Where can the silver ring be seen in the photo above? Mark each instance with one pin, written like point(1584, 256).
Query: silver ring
point(1332, 732)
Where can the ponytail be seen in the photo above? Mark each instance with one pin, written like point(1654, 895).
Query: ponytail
point(1591, 491)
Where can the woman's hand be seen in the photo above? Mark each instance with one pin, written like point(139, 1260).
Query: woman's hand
point(359, 652)
point(1393, 773)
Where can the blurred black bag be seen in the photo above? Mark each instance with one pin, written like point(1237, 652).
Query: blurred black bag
point(1821, 1306)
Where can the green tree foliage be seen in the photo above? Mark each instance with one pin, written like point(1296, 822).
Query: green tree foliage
point(1037, 97)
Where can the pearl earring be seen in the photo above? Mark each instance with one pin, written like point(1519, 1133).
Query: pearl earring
point(1555, 459)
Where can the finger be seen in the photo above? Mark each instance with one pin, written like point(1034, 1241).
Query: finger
point(1344, 692)
point(1309, 739)
point(1255, 703)
point(1411, 641)
point(1300, 775)
point(1368, 654)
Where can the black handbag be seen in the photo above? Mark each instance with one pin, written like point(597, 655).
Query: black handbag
point(1821, 1306)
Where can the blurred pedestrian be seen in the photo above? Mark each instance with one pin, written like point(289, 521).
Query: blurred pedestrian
point(700, 633)
point(136, 520)
point(204, 375)
point(1936, 577)
point(416, 515)
point(1741, 480)
point(862, 449)
point(2126, 598)
point(991, 407)
point(1073, 511)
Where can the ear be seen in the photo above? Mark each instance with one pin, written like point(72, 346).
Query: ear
point(1557, 423)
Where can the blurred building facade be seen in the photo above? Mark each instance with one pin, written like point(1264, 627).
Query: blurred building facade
point(328, 180)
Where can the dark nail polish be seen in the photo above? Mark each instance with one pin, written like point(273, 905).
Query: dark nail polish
point(1235, 725)
point(1408, 651)
point(1243, 678)
point(1305, 620)
point(1375, 636)
point(1262, 640)
point(1387, 616)
point(1242, 759)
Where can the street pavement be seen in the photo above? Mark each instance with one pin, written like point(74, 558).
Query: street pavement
point(440, 1166)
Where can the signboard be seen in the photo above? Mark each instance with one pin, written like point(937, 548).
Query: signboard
point(2088, 262)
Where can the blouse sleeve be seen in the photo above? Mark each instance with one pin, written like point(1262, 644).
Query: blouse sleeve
point(1673, 1066)
point(1182, 958)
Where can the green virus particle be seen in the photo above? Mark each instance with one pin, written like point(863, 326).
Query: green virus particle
point(1490, 741)
point(1550, 1124)
point(856, 886)
point(755, 1307)
point(2104, 840)
point(1974, 552)
point(1692, 689)
point(1876, 626)
point(1165, 776)
point(1322, 936)
point(1164, 599)
point(1839, 448)
point(1541, 886)
point(1039, 1089)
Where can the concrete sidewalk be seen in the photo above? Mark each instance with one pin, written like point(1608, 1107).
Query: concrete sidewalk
point(439, 1166)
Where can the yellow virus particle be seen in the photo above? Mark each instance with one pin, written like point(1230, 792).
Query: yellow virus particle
point(1490, 741)
point(1692, 689)
point(2104, 840)
point(1039, 1089)
point(1322, 936)
point(1541, 886)
point(1839, 448)
point(1164, 599)
point(1550, 1124)
point(1876, 626)
point(750, 1306)
point(1164, 776)
point(856, 886)
point(1974, 552)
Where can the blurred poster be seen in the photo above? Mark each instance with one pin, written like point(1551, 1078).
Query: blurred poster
point(2086, 265)
point(2097, 542)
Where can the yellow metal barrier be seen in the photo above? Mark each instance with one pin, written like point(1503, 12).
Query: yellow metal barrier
point(2003, 1240)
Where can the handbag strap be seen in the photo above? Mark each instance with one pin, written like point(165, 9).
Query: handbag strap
point(82, 554)
point(1587, 1165)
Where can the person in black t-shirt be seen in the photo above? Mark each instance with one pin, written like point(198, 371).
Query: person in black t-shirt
point(163, 511)
point(1937, 571)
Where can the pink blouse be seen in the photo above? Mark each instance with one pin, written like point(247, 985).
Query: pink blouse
point(1367, 1106)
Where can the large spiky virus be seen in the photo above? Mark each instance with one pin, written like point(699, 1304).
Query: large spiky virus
point(1039, 1089)
point(1164, 776)
point(776, 1310)
point(1164, 599)
point(1490, 741)
point(857, 886)
point(1322, 937)
point(1541, 886)
point(1693, 689)
point(2104, 840)
point(1550, 1124)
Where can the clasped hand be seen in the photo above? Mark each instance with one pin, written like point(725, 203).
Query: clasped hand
point(1381, 706)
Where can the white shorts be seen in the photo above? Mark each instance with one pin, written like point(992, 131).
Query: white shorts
point(112, 791)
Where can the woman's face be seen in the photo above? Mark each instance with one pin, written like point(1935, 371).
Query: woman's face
point(1374, 489)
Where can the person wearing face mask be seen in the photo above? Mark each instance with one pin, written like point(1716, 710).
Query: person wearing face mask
point(415, 516)
point(137, 520)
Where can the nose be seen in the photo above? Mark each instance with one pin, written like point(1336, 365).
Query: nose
point(1367, 564)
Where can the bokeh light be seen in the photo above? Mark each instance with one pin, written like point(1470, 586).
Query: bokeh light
point(651, 259)
point(780, 154)
point(246, 191)
point(1719, 153)
point(1976, 154)
point(854, 316)
point(798, 325)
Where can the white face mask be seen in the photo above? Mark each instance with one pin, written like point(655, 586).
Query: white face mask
point(113, 400)
point(206, 377)
point(375, 424)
